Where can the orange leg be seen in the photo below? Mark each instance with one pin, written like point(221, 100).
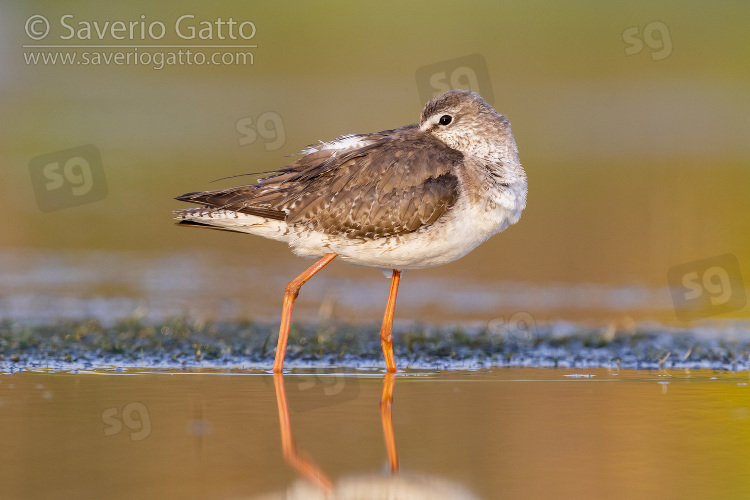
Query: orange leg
point(290, 293)
point(291, 455)
point(386, 401)
point(386, 331)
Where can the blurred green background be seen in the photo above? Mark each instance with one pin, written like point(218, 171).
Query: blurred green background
point(632, 121)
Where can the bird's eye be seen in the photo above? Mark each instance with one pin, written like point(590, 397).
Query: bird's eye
point(445, 119)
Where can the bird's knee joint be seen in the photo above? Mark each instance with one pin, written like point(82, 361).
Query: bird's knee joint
point(292, 288)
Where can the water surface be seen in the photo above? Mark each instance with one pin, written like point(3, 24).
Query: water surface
point(507, 432)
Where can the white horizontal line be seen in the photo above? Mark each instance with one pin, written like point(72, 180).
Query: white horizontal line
point(137, 46)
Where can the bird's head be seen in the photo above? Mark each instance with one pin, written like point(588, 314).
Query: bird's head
point(465, 122)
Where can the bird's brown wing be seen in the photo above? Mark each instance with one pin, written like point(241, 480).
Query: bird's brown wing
point(391, 183)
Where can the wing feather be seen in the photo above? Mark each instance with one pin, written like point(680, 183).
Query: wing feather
point(379, 185)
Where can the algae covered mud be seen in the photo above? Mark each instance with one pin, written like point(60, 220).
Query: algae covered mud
point(178, 343)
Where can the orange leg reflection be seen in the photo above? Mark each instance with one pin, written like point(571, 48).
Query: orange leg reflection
point(291, 455)
point(309, 470)
point(386, 402)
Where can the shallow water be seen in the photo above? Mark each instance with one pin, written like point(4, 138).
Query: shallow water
point(511, 432)
point(38, 286)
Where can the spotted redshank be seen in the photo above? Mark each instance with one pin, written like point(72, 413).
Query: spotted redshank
point(409, 198)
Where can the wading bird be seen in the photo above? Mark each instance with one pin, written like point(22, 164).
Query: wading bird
point(417, 196)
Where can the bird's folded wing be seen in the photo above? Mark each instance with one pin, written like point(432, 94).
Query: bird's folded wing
point(389, 184)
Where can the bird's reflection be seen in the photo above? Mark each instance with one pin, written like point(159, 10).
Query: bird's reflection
point(386, 402)
point(306, 468)
point(393, 485)
point(292, 456)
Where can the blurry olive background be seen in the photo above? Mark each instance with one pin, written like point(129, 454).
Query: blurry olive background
point(632, 121)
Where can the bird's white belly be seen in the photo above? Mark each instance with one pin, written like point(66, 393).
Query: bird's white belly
point(461, 229)
point(454, 235)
